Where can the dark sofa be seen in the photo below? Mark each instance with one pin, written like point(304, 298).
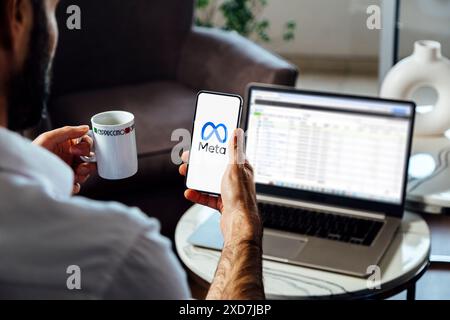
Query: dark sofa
point(144, 56)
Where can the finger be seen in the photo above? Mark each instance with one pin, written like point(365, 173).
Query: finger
point(85, 140)
point(81, 149)
point(200, 198)
point(240, 146)
point(183, 169)
point(84, 169)
point(249, 166)
point(194, 196)
point(232, 144)
point(81, 179)
point(236, 147)
point(52, 138)
point(88, 140)
point(185, 156)
point(76, 188)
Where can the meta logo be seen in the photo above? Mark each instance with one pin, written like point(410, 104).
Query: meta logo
point(210, 130)
point(215, 130)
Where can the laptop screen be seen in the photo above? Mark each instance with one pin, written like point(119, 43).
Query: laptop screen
point(342, 146)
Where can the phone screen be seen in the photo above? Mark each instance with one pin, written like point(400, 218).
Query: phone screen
point(217, 116)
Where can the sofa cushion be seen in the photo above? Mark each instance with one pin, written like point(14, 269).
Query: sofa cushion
point(159, 108)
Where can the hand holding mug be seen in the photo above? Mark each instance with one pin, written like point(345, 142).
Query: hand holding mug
point(69, 143)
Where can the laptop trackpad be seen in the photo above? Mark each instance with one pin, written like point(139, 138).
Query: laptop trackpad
point(282, 247)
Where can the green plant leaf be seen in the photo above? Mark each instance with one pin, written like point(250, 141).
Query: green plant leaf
point(263, 24)
point(264, 37)
point(261, 29)
point(238, 16)
point(201, 23)
point(242, 16)
point(200, 4)
point(288, 36)
point(291, 25)
point(289, 31)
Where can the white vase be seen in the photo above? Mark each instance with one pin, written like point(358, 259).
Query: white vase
point(426, 67)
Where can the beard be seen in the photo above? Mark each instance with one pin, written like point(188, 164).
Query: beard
point(29, 89)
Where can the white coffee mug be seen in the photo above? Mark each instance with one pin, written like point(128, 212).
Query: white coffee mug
point(114, 147)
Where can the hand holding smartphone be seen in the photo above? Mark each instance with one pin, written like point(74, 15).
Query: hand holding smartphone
point(217, 115)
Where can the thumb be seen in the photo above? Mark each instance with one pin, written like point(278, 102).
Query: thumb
point(61, 135)
point(236, 147)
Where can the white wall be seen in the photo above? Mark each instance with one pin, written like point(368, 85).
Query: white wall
point(424, 20)
point(337, 28)
point(324, 27)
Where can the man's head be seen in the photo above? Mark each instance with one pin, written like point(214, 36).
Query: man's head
point(28, 38)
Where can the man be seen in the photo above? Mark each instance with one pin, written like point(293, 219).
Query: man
point(45, 230)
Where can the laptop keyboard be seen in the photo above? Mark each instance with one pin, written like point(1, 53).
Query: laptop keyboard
point(321, 224)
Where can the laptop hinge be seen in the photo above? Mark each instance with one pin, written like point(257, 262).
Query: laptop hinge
point(339, 210)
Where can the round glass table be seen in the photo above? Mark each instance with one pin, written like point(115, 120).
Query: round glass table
point(403, 264)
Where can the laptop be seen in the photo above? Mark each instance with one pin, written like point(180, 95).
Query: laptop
point(330, 173)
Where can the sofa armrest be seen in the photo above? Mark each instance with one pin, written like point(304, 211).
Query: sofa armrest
point(217, 60)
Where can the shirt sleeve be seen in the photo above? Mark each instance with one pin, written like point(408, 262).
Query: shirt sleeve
point(150, 271)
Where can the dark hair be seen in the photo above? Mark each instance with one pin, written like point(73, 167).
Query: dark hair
point(29, 87)
point(5, 40)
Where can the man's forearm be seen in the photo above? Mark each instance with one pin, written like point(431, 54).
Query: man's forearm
point(239, 273)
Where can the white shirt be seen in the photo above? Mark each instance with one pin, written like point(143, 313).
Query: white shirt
point(44, 230)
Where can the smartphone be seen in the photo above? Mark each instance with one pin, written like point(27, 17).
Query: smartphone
point(216, 117)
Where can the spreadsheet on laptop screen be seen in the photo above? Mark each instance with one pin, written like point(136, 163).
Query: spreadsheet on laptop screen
point(346, 147)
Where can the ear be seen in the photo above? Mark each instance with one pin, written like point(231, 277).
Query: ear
point(19, 20)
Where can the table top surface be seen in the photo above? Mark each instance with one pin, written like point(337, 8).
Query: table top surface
point(406, 258)
point(431, 194)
